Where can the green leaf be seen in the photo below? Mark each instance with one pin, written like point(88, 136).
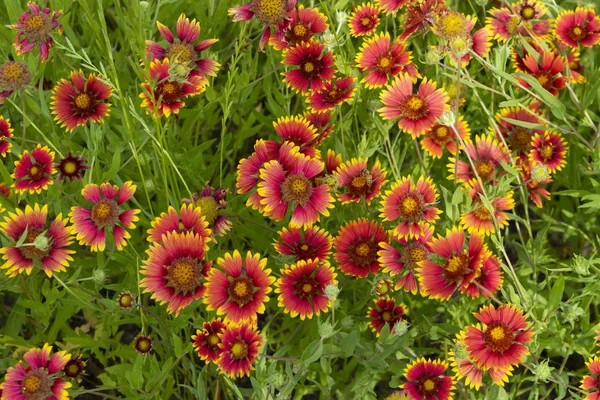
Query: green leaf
point(348, 344)
point(556, 294)
point(524, 124)
point(312, 352)
point(556, 107)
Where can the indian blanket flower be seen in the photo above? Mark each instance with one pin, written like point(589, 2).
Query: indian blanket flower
point(33, 172)
point(359, 183)
point(80, 100)
point(34, 29)
point(442, 136)
point(391, 6)
point(548, 70)
point(70, 167)
point(421, 16)
point(333, 93)
point(356, 247)
point(487, 155)
point(488, 280)
point(248, 170)
point(164, 91)
point(292, 189)
point(517, 137)
point(500, 342)
point(523, 18)
point(106, 215)
point(303, 24)
point(14, 76)
point(301, 288)
point(402, 256)
point(451, 24)
point(417, 112)
point(536, 192)
point(412, 205)
point(364, 20)
point(311, 243)
point(385, 312)
point(239, 349)
point(579, 26)
point(300, 132)
point(6, 132)
point(383, 59)
point(206, 341)
point(479, 218)
point(181, 50)
point(189, 219)
point(461, 47)
point(272, 14)
point(312, 66)
point(74, 368)
point(176, 270)
point(239, 288)
point(460, 264)
point(428, 380)
point(143, 344)
point(211, 202)
point(36, 376)
point(592, 381)
point(549, 149)
point(42, 243)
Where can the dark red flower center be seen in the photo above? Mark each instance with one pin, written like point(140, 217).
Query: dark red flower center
point(520, 140)
point(428, 385)
point(74, 367)
point(414, 107)
point(37, 26)
point(333, 95)
point(299, 33)
point(125, 300)
point(367, 22)
point(169, 91)
point(527, 12)
point(545, 79)
point(239, 349)
point(384, 63)
point(387, 316)
point(184, 273)
point(456, 267)
point(360, 185)
point(241, 290)
point(181, 53)
point(547, 152)
point(143, 344)
point(363, 252)
point(304, 251)
point(84, 104)
point(105, 213)
point(37, 385)
point(310, 67)
point(269, 12)
point(577, 33)
point(411, 207)
point(498, 337)
point(486, 170)
point(441, 134)
point(296, 188)
point(306, 286)
point(413, 254)
point(29, 250)
point(36, 172)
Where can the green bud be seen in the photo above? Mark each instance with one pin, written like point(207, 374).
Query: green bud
point(481, 3)
point(326, 330)
point(98, 276)
point(433, 56)
point(571, 313)
point(328, 39)
point(543, 371)
point(41, 242)
point(144, 4)
point(277, 379)
point(400, 328)
point(332, 291)
point(540, 173)
point(448, 118)
point(581, 265)
point(347, 323)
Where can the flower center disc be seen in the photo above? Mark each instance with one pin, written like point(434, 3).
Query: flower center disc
point(310, 67)
point(482, 213)
point(304, 252)
point(213, 340)
point(299, 33)
point(527, 13)
point(427, 385)
point(415, 253)
point(183, 274)
point(297, 189)
point(414, 107)
point(37, 27)
point(239, 350)
point(440, 134)
point(520, 140)
point(485, 169)
point(36, 385)
point(410, 207)
point(363, 253)
point(14, 76)
point(241, 290)
point(269, 12)
point(451, 24)
point(546, 152)
point(105, 213)
point(170, 91)
point(456, 267)
point(367, 22)
point(333, 96)
point(83, 104)
point(209, 208)
point(385, 63)
point(306, 287)
point(36, 172)
point(386, 316)
point(359, 185)
point(498, 337)
point(181, 53)
point(545, 79)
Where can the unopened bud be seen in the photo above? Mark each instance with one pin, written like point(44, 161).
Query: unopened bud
point(41, 242)
point(325, 330)
point(98, 276)
point(332, 291)
point(581, 265)
point(540, 173)
point(433, 56)
point(543, 371)
point(400, 328)
point(448, 118)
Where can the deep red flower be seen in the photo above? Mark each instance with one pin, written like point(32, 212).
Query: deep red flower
point(356, 247)
point(364, 20)
point(303, 24)
point(333, 93)
point(385, 312)
point(33, 173)
point(239, 349)
point(71, 167)
point(310, 243)
point(427, 380)
point(549, 149)
point(313, 66)
point(207, 340)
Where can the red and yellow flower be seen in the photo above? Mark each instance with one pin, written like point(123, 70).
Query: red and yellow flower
point(592, 381)
point(239, 288)
point(239, 349)
point(381, 59)
point(523, 18)
point(549, 149)
point(34, 29)
point(322, 123)
point(579, 26)
point(301, 288)
point(106, 214)
point(79, 100)
point(207, 340)
point(428, 380)
point(356, 247)
point(358, 182)
point(304, 23)
point(304, 244)
point(6, 132)
point(385, 312)
point(533, 186)
point(413, 205)
point(487, 155)
point(248, 168)
point(38, 377)
point(488, 280)
point(33, 172)
point(211, 202)
point(482, 220)
point(548, 70)
point(500, 343)
point(391, 6)
point(43, 244)
point(298, 131)
point(71, 167)
point(417, 112)
point(364, 20)
point(420, 17)
point(441, 137)
point(189, 219)
point(333, 93)
point(313, 66)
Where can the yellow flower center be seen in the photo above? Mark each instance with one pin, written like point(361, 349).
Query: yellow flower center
point(497, 333)
point(13, 70)
point(182, 274)
point(547, 151)
point(386, 316)
point(143, 345)
point(73, 369)
point(308, 67)
point(384, 62)
point(485, 169)
point(542, 79)
point(101, 211)
point(125, 300)
point(460, 45)
point(83, 101)
point(239, 349)
point(300, 30)
point(209, 208)
point(169, 88)
point(512, 24)
point(417, 254)
point(483, 213)
point(31, 383)
point(269, 12)
point(363, 249)
point(69, 167)
point(415, 103)
point(365, 21)
point(213, 340)
point(441, 132)
point(359, 181)
point(241, 288)
point(408, 205)
point(451, 24)
point(180, 52)
point(307, 288)
point(429, 384)
point(527, 13)
point(34, 22)
point(304, 247)
point(454, 264)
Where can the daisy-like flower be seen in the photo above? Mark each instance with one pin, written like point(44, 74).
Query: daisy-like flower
point(428, 380)
point(293, 189)
point(239, 289)
point(176, 271)
point(458, 267)
point(126, 300)
point(272, 14)
point(391, 6)
point(441, 137)
point(592, 381)
point(33, 172)
point(105, 215)
point(451, 24)
point(487, 155)
point(248, 168)
point(500, 343)
point(523, 18)
point(313, 66)
point(533, 186)
point(460, 47)
point(239, 349)
point(579, 26)
point(413, 205)
point(421, 16)
point(381, 59)
point(14, 76)
point(34, 28)
point(385, 312)
point(143, 344)
point(70, 167)
point(181, 50)
point(310, 243)
point(303, 24)
point(322, 122)
point(517, 137)
point(358, 182)
point(74, 368)
point(6, 132)
point(333, 93)
point(206, 341)
point(43, 244)
point(79, 100)
point(189, 219)
point(356, 247)
point(301, 288)
point(549, 149)
point(37, 378)
point(298, 131)
point(417, 112)
point(402, 256)
point(211, 202)
point(364, 20)
point(480, 219)
point(383, 287)
point(489, 278)
point(549, 71)
point(164, 91)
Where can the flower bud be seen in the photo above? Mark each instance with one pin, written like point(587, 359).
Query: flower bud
point(332, 291)
point(433, 56)
point(400, 328)
point(581, 265)
point(98, 276)
point(41, 242)
point(543, 371)
point(540, 173)
point(326, 330)
point(448, 118)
